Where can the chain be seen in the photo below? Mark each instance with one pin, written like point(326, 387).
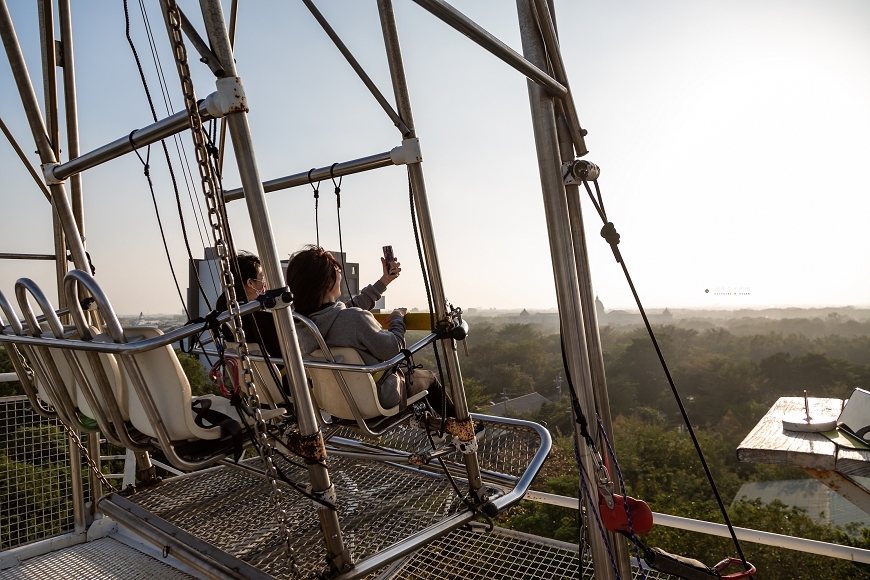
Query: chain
point(70, 431)
point(216, 215)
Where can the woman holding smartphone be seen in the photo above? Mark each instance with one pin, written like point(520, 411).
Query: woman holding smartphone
point(314, 278)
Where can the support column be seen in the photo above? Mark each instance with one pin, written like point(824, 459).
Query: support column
point(70, 105)
point(421, 201)
point(49, 86)
point(40, 136)
point(255, 198)
point(593, 339)
point(564, 270)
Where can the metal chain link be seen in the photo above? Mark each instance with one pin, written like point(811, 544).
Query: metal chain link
point(70, 431)
point(216, 216)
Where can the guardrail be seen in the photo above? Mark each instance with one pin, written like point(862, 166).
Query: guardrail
point(37, 500)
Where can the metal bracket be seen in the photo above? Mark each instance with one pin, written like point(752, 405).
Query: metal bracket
point(328, 495)
point(408, 152)
point(463, 435)
point(48, 174)
point(577, 171)
point(229, 98)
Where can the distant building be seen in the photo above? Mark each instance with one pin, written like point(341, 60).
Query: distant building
point(209, 273)
point(519, 405)
point(624, 317)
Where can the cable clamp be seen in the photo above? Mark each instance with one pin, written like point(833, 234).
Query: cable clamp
point(327, 495)
point(229, 98)
point(406, 153)
point(48, 174)
point(577, 171)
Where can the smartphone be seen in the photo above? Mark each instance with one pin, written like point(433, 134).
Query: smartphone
point(389, 258)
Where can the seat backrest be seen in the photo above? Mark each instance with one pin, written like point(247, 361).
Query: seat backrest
point(169, 388)
point(262, 377)
point(113, 373)
point(329, 395)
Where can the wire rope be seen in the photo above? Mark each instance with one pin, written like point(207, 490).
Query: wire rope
point(338, 215)
point(164, 92)
point(608, 232)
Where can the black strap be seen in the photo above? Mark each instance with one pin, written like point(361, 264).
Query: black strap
point(228, 426)
point(579, 417)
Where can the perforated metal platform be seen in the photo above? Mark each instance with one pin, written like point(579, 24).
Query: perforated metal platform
point(379, 503)
point(498, 555)
point(106, 559)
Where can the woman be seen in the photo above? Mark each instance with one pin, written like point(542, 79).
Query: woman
point(314, 278)
point(250, 282)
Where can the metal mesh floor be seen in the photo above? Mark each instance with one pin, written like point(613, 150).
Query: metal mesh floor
point(504, 449)
point(498, 555)
point(379, 504)
point(106, 559)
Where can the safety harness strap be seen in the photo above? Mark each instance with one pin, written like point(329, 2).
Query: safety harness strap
point(228, 426)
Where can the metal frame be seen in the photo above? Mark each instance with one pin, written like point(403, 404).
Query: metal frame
point(558, 136)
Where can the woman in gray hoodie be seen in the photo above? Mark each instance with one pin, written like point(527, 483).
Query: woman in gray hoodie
point(314, 278)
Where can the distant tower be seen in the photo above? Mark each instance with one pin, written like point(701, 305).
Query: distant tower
point(599, 308)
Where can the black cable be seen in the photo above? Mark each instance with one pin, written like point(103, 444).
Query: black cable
point(426, 285)
point(338, 214)
point(168, 162)
point(161, 78)
point(316, 189)
point(608, 232)
point(147, 169)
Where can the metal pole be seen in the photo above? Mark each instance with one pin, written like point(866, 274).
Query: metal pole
point(377, 161)
point(564, 270)
point(427, 235)
point(547, 20)
point(455, 19)
point(593, 339)
point(141, 137)
point(234, 13)
point(37, 127)
point(355, 65)
point(49, 85)
point(255, 197)
point(78, 492)
point(94, 452)
point(36, 177)
point(70, 105)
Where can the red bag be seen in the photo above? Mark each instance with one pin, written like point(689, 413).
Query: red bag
point(224, 375)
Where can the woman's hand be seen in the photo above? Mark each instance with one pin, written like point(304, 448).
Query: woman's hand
point(399, 312)
point(391, 271)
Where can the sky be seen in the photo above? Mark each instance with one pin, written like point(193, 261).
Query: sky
point(733, 139)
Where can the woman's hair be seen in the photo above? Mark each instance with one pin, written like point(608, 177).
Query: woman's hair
point(248, 264)
point(312, 271)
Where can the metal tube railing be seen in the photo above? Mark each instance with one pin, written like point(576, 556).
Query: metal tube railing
point(712, 529)
point(341, 169)
point(141, 137)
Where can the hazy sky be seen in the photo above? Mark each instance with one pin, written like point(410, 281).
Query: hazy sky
point(733, 138)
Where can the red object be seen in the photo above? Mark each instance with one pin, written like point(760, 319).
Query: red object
point(737, 575)
point(225, 376)
point(616, 520)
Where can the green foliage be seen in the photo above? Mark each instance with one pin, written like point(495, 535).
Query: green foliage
point(196, 375)
point(8, 389)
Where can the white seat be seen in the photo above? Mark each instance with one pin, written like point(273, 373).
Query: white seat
point(330, 397)
point(263, 379)
point(170, 390)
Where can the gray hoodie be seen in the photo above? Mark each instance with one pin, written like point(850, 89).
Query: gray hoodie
point(342, 324)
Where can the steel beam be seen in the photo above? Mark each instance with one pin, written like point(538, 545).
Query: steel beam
point(455, 19)
point(358, 69)
point(427, 234)
point(141, 137)
point(346, 168)
point(70, 106)
point(565, 273)
point(237, 122)
point(37, 128)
